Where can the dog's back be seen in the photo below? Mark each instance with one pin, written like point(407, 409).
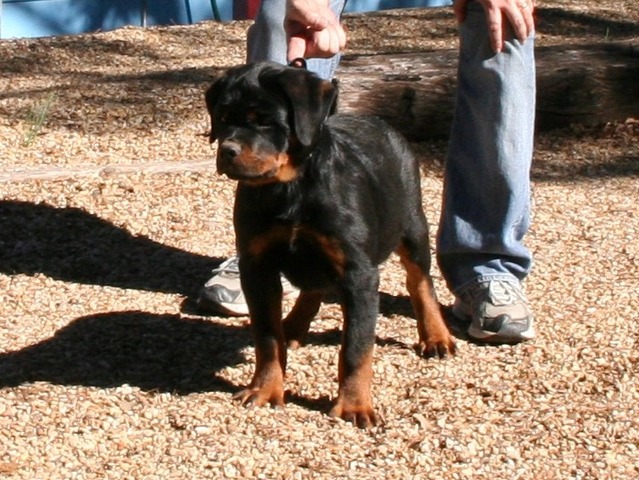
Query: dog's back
point(375, 163)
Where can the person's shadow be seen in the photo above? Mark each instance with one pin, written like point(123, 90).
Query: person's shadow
point(73, 245)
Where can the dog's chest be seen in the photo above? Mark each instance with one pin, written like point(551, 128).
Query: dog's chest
point(308, 258)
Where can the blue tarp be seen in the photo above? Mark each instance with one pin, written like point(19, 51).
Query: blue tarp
point(38, 18)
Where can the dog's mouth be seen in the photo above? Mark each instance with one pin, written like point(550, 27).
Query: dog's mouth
point(254, 178)
point(242, 164)
point(281, 175)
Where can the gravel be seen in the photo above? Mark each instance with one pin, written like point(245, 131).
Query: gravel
point(112, 215)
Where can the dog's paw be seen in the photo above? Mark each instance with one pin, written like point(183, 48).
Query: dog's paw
point(260, 397)
point(437, 346)
point(362, 415)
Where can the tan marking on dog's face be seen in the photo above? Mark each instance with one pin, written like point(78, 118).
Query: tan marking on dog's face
point(250, 167)
point(251, 116)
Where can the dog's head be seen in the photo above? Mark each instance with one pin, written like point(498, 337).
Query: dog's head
point(264, 117)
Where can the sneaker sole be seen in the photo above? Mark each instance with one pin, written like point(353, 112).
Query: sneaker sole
point(229, 310)
point(497, 337)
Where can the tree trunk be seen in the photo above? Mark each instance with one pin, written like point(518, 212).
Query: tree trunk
point(415, 92)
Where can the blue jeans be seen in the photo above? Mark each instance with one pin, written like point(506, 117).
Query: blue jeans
point(486, 202)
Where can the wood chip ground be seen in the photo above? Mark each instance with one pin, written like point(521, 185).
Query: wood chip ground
point(112, 215)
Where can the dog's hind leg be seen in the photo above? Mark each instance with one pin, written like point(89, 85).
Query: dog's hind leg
point(298, 321)
point(434, 336)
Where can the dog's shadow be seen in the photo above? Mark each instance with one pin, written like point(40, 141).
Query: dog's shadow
point(164, 353)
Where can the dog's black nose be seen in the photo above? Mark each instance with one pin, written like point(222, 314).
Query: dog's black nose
point(229, 150)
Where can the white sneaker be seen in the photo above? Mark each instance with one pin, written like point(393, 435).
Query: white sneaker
point(222, 293)
point(498, 312)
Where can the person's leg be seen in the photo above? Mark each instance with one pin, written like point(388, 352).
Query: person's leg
point(486, 205)
point(266, 40)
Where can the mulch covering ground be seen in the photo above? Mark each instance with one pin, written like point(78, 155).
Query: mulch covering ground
point(112, 215)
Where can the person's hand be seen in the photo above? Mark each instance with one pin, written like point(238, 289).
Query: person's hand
point(312, 30)
point(519, 13)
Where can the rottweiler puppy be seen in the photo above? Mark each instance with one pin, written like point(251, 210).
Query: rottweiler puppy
point(324, 199)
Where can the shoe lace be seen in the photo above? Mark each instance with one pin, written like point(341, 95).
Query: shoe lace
point(503, 293)
point(230, 265)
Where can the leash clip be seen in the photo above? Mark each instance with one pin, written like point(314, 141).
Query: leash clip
point(298, 63)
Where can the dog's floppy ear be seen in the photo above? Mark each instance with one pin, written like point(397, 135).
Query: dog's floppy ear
point(212, 96)
point(311, 100)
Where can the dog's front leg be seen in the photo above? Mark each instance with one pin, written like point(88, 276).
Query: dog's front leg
point(263, 291)
point(360, 306)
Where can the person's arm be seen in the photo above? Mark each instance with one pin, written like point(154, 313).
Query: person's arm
point(519, 13)
point(312, 30)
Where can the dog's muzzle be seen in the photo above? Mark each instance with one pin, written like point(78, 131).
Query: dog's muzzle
point(240, 162)
point(228, 154)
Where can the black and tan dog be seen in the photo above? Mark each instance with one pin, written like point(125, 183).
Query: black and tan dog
point(323, 199)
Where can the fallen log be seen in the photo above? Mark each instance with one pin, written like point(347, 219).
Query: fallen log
point(576, 84)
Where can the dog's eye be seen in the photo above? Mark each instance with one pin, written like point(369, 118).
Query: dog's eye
point(265, 121)
point(252, 117)
point(259, 119)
